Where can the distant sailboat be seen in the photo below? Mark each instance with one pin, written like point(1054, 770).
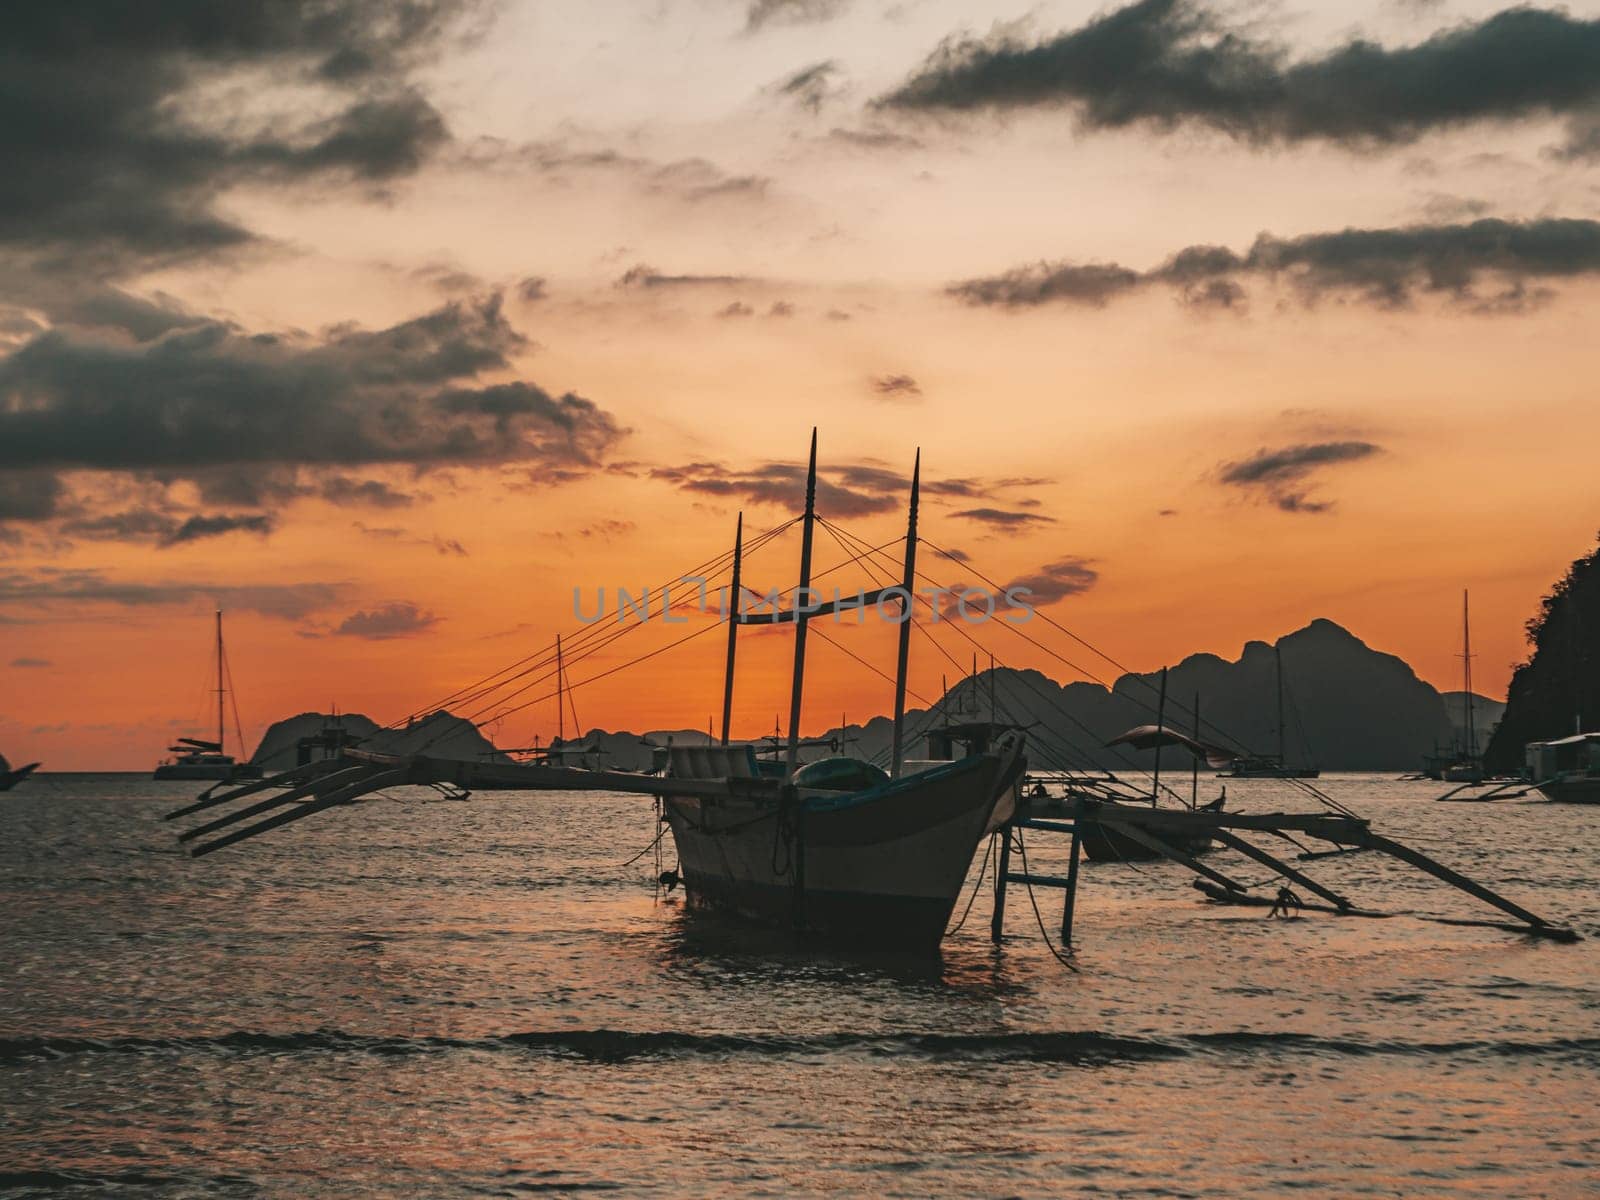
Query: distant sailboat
point(1467, 764)
point(9, 778)
point(197, 758)
point(1276, 766)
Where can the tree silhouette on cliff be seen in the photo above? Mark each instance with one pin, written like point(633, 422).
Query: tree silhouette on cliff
point(1557, 690)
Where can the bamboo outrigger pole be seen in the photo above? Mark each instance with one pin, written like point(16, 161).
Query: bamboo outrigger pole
point(897, 757)
point(802, 597)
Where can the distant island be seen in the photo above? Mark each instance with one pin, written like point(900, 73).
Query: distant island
point(1349, 707)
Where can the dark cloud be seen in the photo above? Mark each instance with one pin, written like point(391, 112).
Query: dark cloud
point(780, 484)
point(811, 87)
point(873, 139)
point(1280, 476)
point(365, 493)
point(211, 395)
point(999, 518)
point(532, 289)
point(29, 495)
point(1058, 580)
point(642, 276)
point(119, 133)
point(1090, 283)
point(1165, 63)
point(30, 662)
point(47, 589)
point(397, 619)
point(896, 387)
point(200, 526)
point(781, 308)
point(737, 309)
point(1487, 266)
point(764, 13)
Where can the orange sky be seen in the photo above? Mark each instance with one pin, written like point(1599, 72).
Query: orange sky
point(794, 275)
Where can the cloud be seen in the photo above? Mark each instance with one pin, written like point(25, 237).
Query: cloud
point(31, 662)
point(366, 493)
point(29, 495)
point(896, 387)
point(1056, 581)
point(1166, 63)
point(212, 395)
point(1487, 266)
point(532, 289)
point(1280, 476)
point(120, 134)
point(737, 309)
point(397, 619)
point(49, 589)
point(764, 13)
point(642, 276)
point(198, 527)
point(873, 139)
point(811, 87)
point(999, 518)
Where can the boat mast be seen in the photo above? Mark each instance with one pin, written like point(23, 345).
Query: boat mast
point(1466, 674)
point(1194, 769)
point(220, 689)
point(802, 596)
point(561, 701)
point(733, 627)
point(897, 757)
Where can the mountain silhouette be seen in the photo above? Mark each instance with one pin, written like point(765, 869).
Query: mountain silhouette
point(1347, 707)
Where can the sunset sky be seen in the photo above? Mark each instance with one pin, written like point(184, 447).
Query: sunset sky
point(385, 326)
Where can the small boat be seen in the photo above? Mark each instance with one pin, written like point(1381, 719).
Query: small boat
point(9, 777)
point(1567, 769)
point(201, 758)
point(1271, 766)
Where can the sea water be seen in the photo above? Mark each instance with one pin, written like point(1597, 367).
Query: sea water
point(434, 997)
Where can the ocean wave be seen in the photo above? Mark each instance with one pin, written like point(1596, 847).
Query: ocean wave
point(616, 1045)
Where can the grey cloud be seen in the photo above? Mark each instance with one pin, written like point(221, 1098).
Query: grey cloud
point(1058, 580)
point(112, 157)
point(366, 493)
point(201, 526)
point(762, 14)
point(212, 395)
point(1280, 475)
point(999, 518)
point(29, 495)
point(397, 619)
point(30, 662)
point(1386, 268)
point(1164, 63)
point(642, 276)
point(47, 590)
point(896, 387)
point(811, 87)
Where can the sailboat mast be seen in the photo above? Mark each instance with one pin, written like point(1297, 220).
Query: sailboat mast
point(1161, 726)
point(1466, 674)
point(733, 627)
point(1194, 769)
point(897, 757)
point(802, 597)
point(220, 688)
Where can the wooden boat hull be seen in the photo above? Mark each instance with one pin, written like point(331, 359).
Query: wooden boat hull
point(215, 772)
point(877, 868)
point(1105, 843)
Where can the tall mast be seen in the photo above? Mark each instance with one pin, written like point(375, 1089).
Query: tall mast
point(220, 688)
point(909, 583)
point(801, 597)
point(733, 627)
point(1466, 674)
point(1194, 769)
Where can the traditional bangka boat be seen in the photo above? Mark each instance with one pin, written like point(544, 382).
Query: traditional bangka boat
point(201, 758)
point(1567, 769)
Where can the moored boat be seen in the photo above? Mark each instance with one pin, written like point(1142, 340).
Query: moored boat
point(1567, 769)
point(202, 758)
